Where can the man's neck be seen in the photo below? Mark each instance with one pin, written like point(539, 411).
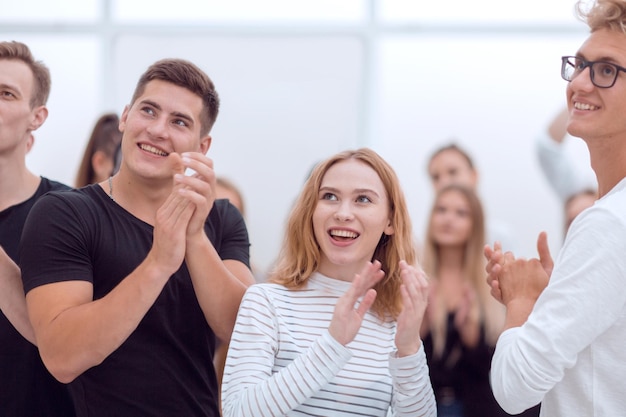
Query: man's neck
point(142, 198)
point(607, 156)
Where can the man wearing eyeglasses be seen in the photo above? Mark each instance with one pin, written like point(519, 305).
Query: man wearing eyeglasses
point(565, 331)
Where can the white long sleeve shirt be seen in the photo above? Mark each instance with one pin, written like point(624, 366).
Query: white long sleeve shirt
point(570, 355)
point(283, 362)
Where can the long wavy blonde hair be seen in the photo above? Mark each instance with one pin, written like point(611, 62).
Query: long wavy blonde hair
point(491, 313)
point(300, 253)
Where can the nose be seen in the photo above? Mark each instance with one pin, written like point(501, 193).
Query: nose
point(158, 127)
point(344, 212)
point(582, 81)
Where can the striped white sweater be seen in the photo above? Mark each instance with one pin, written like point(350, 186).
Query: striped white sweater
point(283, 362)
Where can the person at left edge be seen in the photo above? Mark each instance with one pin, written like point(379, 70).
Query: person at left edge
point(26, 387)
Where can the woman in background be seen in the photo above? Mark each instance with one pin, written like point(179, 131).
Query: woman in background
point(462, 321)
point(99, 157)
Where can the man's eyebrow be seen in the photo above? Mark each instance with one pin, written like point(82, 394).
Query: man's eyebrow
point(183, 116)
point(151, 103)
point(176, 114)
point(11, 87)
point(601, 59)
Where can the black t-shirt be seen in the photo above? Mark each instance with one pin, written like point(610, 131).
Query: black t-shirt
point(26, 386)
point(165, 367)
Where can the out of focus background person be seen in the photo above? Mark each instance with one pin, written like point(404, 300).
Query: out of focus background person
point(99, 158)
point(452, 164)
point(573, 182)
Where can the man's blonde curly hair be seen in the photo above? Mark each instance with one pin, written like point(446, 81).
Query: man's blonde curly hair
point(603, 14)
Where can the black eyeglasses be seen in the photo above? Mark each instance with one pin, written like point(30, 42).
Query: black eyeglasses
point(603, 74)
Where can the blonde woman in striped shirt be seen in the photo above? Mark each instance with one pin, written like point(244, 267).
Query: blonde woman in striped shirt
point(335, 330)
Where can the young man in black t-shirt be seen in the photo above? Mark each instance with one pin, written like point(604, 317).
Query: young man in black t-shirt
point(130, 281)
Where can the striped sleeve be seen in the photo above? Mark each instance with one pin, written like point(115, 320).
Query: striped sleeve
point(251, 384)
point(412, 391)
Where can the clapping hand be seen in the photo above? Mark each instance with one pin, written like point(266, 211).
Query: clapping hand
point(510, 278)
point(414, 292)
point(348, 317)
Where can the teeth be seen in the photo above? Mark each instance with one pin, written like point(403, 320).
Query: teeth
point(344, 233)
point(583, 106)
point(153, 150)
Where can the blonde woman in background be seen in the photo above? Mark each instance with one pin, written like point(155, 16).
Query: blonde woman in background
point(463, 320)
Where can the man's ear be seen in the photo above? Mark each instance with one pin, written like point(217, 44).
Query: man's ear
point(205, 144)
point(40, 114)
point(122, 124)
